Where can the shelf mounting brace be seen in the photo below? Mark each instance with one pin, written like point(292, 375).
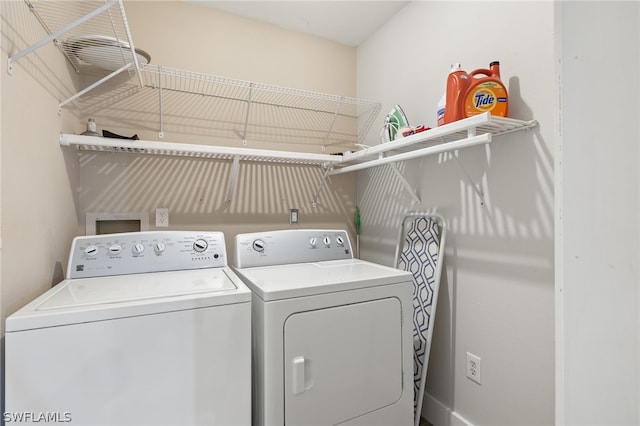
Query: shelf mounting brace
point(246, 118)
point(476, 188)
point(161, 114)
point(55, 35)
point(333, 122)
point(233, 178)
point(327, 169)
point(93, 86)
point(471, 132)
point(128, 32)
point(405, 184)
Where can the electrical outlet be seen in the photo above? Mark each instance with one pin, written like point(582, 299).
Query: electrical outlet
point(293, 216)
point(162, 217)
point(474, 368)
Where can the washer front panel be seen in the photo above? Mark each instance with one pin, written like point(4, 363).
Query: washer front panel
point(140, 252)
point(152, 328)
point(190, 367)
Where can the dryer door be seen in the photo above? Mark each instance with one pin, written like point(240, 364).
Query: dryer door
point(342, 362)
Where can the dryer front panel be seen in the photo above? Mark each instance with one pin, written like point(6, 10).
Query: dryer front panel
point(342, 362)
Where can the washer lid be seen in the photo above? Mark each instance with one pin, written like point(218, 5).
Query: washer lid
point(103, 298)
point(308, 279)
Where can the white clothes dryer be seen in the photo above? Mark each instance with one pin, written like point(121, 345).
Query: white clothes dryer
point(149, 328)
point(332, 335)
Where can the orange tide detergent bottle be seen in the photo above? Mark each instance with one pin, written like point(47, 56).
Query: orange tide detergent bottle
point(473, 93)
point(486, 93)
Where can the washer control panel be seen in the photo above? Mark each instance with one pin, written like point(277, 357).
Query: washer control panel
point(291, 246)
point(140, 252)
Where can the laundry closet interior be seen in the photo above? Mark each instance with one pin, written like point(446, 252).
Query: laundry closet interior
point(240, 124)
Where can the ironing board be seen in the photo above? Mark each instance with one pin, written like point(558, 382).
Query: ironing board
point(420, 250)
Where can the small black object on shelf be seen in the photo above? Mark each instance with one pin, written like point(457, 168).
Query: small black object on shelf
point(108, 134)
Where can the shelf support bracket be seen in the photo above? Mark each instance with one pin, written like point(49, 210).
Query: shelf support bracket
point(94, 85)
point(476, 188)
point(133, 48)
point(333, 122)
point(405, 183)
point(161, 132)
point(55, 35)
point(246, 118)
point(233, 178)
point(314, 202)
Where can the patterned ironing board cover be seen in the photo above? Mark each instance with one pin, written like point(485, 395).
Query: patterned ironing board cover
point(419, 255)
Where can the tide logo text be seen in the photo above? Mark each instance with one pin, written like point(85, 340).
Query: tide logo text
point(484, 100)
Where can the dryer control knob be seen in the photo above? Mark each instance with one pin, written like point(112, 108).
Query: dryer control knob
point(159, 247)
point(137, 248)
point(326, 241)
point(313, 242)
point(258, 245)
point(115, 249)
point(340, 241)
point(200, 245)
point(91, 251)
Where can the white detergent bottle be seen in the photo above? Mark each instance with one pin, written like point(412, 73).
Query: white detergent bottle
point(441, 107)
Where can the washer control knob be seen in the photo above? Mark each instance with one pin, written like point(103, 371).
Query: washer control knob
point(258, 245)
point(137, 248)
point(340, 241)
point(327, 241)
point(91, 251)
point(200, 245)
point(313, 242)
point(159, 247)
point(115, 249)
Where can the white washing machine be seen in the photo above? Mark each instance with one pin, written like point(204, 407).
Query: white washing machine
point(149, 328)
point(332, 335)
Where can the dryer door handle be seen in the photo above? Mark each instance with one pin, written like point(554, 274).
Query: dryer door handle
point(297, 375)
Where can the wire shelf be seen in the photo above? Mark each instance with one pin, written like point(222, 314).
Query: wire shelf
point(461, 134)
point(80, 26)
point(177, 102)
point(476, 130)
point(93, 36)
point(99, 144)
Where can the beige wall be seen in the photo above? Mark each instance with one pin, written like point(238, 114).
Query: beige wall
point(196, 38)
point(199, 39)
point(46, 190)
point(38, 179)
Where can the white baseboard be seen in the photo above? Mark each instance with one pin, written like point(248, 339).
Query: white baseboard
point(438, 414)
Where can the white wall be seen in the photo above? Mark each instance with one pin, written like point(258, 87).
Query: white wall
point(598, 214)
point(497, 294)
